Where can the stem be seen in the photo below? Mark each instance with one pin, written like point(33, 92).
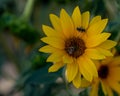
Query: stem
point(66, 84)
point(28, 10)
point(68, 90)
point(111, 8)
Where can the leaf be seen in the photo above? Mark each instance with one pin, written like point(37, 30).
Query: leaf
point(42, 76)
point(40, 82)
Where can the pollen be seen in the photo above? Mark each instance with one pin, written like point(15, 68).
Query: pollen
point(75, 47)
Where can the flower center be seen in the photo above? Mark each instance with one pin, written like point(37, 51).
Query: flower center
point(75, 47)
point(103, 72)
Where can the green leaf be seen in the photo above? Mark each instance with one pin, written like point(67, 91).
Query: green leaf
point(42, 76)
point(40, 82)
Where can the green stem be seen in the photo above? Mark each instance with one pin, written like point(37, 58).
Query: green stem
point(111, 8)
point(28, 10)
point(66, 84)
point(68, 90)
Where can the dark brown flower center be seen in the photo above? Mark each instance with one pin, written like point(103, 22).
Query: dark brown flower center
point(75, 47)
point(103, 72)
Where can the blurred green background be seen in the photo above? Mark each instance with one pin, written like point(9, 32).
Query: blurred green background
point(23, 70)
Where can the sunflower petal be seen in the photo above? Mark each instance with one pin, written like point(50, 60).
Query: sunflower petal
point(114, 73)
point(109, 91)
point(54, 41)
point(97, 28)
point(51, 32)
point(76, 16)
point(94, 90)
point(95, 40)
point(116, 61)
point(48, 49)
point(67, 24)
point(94, 54)
point(55, 57)
point(95, 20)
point(114, 85)
point(84, 83)
point(108, 44)
point(71, 71)
point(77, 80)
point(104, 52)
point(85, 19)
point(85, 68)
point(104, 88)
point(91, 67)
point(56, 66)
point(56, 23)
point(67, 59)
point(48, 30)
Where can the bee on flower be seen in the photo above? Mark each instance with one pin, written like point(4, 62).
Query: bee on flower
point(74, 41)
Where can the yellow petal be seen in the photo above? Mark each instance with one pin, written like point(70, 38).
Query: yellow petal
point(71, 71)
point(95, 40)
point(48, 30)
point(55, 57)
point(94, 54)
point(95, 20)
point(54, 41)
point(51, 32)
point(48, 49)
point(114, 85)
point(115, 61)
point(84, 83)
point(97, 28)
point(107, 60)
point(104, 52)
point(87, 68)
point(114, 51)
point(76, 16)
point(91, 67)
point(67, 24)
point(104, 88)
point(85, 19)
point(77, 80)
point(56, 66)
point(108, 44)
point(67, 59)
point(56, 23)
point(109, 91)
point(94, 90)
point(114, 73)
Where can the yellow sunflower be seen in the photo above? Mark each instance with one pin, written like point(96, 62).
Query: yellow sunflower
point(74, 41)
point(108, 76)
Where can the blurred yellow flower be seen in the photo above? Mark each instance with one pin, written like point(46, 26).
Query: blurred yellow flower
point(108, 76)
point(74, 42)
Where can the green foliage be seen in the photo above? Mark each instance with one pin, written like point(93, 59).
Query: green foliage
point(19, 28)
point(41, 76)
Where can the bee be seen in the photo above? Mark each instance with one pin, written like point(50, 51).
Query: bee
point(80, 29)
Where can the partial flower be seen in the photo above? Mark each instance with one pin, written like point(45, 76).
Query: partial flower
point(108, 77)
point(74, 41)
